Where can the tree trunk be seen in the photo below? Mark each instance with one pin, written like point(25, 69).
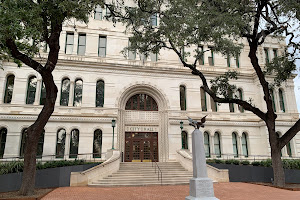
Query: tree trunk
point(33, 135)
point(278, 171)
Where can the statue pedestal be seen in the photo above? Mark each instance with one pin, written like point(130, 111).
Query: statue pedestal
point(201, 187)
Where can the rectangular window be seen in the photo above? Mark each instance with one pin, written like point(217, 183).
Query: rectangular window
point(201, 59)
point(102, 46)
point(153, 19)
point(275, 53)
point(98, 13)
point(131, 54)
point(237, 60)
point(81, 44)
point(228, 60)
point(211, 58)
point(266, 55)
point(69, 43)
point(153, 57)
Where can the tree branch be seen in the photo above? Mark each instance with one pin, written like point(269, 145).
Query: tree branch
point(289, 134)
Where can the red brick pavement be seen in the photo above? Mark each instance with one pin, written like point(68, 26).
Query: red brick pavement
point(223, 191)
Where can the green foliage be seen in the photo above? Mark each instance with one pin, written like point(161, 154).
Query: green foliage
point(266, 163)
point(291, 164)
point(221, 85)
point(17, 166)
point(245, 162)
point(255, 163)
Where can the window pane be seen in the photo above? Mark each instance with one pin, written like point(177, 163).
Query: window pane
point(100, 94)
point(153, 57)
point(273, 100)
point(69, 43)
point(203, 99)
point(234, 143)
point(184, 138)
point(102, 46)
point(153, 20)
point(98, 13)
point(31, 89)
point(78, 93)
point(266, 55)
point(240, 95)
point(244, 145)
point(182, 98)
point(141, 102)
point(81, 44)
point(43, 94)
point(217, 145)
point(3, 133)
point(206, 144)
point(65, 89)
point(281, 101)
point(9, 88)
point(23, 142)
point(97, 144)
point(74, 142)
point(40, 147)
point(60, 143)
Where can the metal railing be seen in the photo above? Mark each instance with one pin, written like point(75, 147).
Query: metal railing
point(158, 169)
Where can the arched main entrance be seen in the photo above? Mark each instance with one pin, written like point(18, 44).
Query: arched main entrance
point(142, 124)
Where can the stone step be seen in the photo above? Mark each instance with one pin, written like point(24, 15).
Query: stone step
point(145, 177)
point(136, 184)
point(141, 181)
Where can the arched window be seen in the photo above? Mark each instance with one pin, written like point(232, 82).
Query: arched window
point(217, 144)
point(231, 105)
point(43, 94)
point(184, 140)
point(100, 93)
point(240, 95)
point(289, 149)
point(182, 97)
point(40, 147)
point(65, 90)
point(206, 144)
point(203, 99)
point(31, 89)
point(97, 144)
point(60, 143)
point(244, 145)
point(214, 105)
point(23, 142)
point(281, 100)
point(235, 145)
point(74, 142)
point(78, 93)
point(141, 102)
point(9, 88)
point(273, 99)
point(3, 133)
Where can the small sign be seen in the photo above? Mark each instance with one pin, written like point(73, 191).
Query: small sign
point(141, 128)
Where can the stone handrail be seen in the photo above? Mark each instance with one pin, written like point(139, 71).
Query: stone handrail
point(108, 167)
point(184, 157)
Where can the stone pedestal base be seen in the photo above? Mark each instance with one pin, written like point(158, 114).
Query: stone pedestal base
point(201, 189)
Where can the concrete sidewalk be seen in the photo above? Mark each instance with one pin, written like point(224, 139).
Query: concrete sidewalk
point(223, 191)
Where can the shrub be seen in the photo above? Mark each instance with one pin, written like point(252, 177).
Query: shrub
point(217, 161)
point(236, 162)
point(255, 163)
point(266, 163)
point(245, 162)
point(229, 161)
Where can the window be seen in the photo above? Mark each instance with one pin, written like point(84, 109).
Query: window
point(289, 149)
point(213, 105)
point(235, 145)
point(141, 102)
point(201, 59)
point(206, 144)
point(244, 145)
point(266, 55)
point(182, 94)
point(31, 89)
point(281, 100)
point(40, 146)
point(211, 58)
point(273, 99)
point(69, 43)
point(231, 105)
point(153, 19)
point(275, 53)
point(23, 142)
point(43, 94)
point(131, 54)
point(74, 143)
point(184, 140)
point(97, 144)
point(9, 88)
point(65, 89)
point(100, 93)
point(153, 57)
point(203, 99)
point(60, 143)
point(78, 93)
point(228, 60)
point(98, 12)
point(3, 133)
point(102, 46)
point(217, 144)
point(240, 95)
point(108, 13)
point(81, 44)
point(237, 60)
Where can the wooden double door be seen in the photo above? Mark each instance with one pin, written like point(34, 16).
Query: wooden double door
point(141, 146)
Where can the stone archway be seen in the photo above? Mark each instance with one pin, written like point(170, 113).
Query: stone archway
point(148, 120)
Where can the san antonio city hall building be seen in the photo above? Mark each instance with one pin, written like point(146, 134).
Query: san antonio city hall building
point(148, 98)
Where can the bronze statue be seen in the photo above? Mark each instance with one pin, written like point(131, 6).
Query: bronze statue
point(196, 124)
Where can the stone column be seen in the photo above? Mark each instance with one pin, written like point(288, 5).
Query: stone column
point(201, 187)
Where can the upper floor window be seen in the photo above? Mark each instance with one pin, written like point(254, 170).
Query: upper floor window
point(182, 94)
point(69, 43)
point(235, 145)
point(211, 57)
point(3, 133)
point(31, 89)
point(231, 105)
point(281, 100)
point(141, 102)
point(273, 99)
point(43, 94)
point(81, 44)
point(9, 88)
point(100, 93)
point(131, 54)
point(203, 99)
point(206, 144)
point(102, 46)
point(240, 96)
point(153, 57)
point(153, 19)
point(98, 13)
point(237, 60)
point(266, 50)
point(65, 90)
point(78, 93)
point(275, 53)
point(228, 60)
point(201, 59)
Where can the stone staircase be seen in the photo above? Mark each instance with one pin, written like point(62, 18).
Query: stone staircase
point(137, 174)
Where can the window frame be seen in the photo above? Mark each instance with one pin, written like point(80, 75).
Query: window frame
point(3, 136)
point(68, 93)
point(70, 45)
point(7, 91)
point(81, 35)
point(30, 91)
point(102, 47)
point(235, 145)
point(182, 97)
point(76, 91)
point(99, 154)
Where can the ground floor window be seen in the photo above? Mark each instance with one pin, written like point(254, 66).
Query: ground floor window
point(206, 144)
point(60, 143)
point(74, 142)
point(217, 144)
point(3, 133)
point(97, 144)
point(184, 140)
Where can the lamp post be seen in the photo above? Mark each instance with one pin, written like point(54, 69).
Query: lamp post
point(113, 124)
point(181, 127)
